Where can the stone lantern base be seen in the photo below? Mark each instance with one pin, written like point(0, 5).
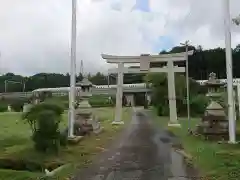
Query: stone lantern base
point(85, 121)
point(117, 122)
point(174, 125)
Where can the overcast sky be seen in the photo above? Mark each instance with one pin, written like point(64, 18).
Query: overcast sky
point(35, 34)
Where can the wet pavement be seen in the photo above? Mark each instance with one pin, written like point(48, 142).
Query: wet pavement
point(141, 152)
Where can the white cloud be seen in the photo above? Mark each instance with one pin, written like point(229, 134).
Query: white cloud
point(35, 35)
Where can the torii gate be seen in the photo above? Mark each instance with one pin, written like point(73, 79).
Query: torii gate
point(144, 61)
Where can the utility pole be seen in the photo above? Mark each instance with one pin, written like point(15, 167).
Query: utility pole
point(231, 110)
point(186, 44)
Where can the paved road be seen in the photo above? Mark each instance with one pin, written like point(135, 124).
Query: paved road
point(142, 152)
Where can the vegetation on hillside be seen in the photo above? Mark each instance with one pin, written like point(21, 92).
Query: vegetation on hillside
point(201, 64)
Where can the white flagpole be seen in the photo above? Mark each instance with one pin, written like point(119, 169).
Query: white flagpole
point(73, 71)
point(231, 110)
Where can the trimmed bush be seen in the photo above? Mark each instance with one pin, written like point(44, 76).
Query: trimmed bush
point(17, 105)
point(44, 119)
point(32, 115)
point(47, 134)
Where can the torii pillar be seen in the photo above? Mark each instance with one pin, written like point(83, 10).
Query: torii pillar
point(172, 95)
point(119, 96)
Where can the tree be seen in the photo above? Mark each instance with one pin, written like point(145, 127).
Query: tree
point(201, 63)
point(159, 87)
point(99, 79)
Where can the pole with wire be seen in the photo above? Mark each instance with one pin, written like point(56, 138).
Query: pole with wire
point(186, 44)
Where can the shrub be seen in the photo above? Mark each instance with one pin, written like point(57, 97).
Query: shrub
point(159, 110)
point(160, 94)
point(32, 115)
point(198, 104)
point(162, 110)
point(47, 134)
point(101, 101)
point(17, 105)
point(165, 111)
point(3, 107)
point(66, 104)
point(63, 139)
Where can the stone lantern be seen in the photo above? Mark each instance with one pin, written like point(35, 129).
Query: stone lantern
point(85, 94)
point(214, 123)
point(84, 118)
point(83, 109)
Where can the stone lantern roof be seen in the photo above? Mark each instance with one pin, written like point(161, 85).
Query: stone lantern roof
point(84, 83)
point(213, 81)
point(215, 109)
point(214, 106)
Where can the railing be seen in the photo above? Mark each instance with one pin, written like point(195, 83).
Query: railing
point(94, 91)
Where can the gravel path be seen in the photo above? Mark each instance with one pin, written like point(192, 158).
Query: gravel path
point(141, 152)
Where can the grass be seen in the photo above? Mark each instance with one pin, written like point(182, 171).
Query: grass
point(215, 161)
point(15, 142)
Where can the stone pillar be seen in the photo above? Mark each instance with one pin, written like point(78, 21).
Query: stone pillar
point(119, 95)
point(146, 101)
point(9, 108)
point(172, 96)
point(149, 99)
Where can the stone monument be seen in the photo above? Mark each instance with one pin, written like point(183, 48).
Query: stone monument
point(9, 108)
point(214, 123)
point(85, 121)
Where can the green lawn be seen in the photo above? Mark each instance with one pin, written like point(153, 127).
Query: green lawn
point(215, 161)
point(15, 142)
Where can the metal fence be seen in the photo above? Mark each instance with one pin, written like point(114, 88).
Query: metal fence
point(94, 91)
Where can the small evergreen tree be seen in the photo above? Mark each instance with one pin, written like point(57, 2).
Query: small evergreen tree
point(47, 134)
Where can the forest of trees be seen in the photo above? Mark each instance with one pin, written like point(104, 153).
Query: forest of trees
point(201, 64)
